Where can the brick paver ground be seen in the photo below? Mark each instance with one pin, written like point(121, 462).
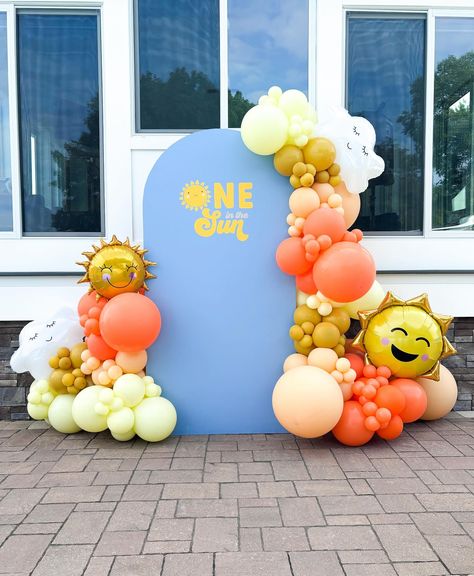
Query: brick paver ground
point(249, 505)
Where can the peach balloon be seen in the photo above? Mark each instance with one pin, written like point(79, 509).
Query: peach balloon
point(350, 203)
point(441, 395)
point(323, 358)
point(303, 201)
point(293, 361)
point(323, 190)
point(307, 401)
point(131, 362)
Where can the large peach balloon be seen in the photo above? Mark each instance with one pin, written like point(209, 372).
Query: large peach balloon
point(294, 361)
point(350, 203)
point(344, 272)
point(324, 190)
point(307, 401)
point(415, 396)
point(441, 395)
point(350, 429)
point(303, 201)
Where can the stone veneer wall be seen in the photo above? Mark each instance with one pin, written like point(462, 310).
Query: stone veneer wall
point(14, 387)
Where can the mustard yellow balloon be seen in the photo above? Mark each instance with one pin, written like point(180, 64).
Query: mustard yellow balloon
point(404, 338)
point(286, 158)
point(307, 401)
point(441, 394)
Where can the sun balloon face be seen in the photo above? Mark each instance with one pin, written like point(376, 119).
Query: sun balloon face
point(195, 196)
point(405, 336)
point(116, 268)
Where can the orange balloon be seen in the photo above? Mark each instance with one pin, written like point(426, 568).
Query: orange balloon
point(350, 203)
point(390, 397)
point(305, 282)
point(88, 301)
point(130, 322)
point(303, 201)
point(99, 348)
point(415, 397)
point(325, 221)
point(394, 428)
point(351, 430)
point(307, 401)
point(357, 362)
point(344, 272)
point(291, 257)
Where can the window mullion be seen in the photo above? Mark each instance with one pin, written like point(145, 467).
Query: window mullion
point(224, 64)
point(429, 119)
point(312, 50)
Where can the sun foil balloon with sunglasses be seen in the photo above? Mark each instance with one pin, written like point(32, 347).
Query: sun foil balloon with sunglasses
point(406, 336)
point(116, 267)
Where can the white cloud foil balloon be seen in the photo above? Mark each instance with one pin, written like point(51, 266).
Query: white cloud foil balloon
point(41, 339)
point(354, 139)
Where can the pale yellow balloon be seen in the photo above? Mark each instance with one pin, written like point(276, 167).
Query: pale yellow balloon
point(83, 410)
point(60, 414)
point(264, 129)
point(441, 394)
point(294, 102)
point(130, 388)
point(37, 411)
point(323, 358)
point(121, 421)
point(293, 361)
point(155, 419)
point(123, 437)
point(307, 401)
point(369, 301)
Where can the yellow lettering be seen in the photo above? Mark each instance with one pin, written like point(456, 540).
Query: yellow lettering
point(206, 226)
point(245, 196)
point(241, 235)
point(222, 196)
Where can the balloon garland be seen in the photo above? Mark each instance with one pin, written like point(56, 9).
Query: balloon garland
point(99, 383)
point(384, 378)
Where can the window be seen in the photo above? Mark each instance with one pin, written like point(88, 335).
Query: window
point(267, 45)
point(6, 208)
point(178, 65)
point(386, 85)
point(453, 130)
point(60, 119)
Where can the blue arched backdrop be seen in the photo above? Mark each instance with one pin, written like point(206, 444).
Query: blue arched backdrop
point(226, 307)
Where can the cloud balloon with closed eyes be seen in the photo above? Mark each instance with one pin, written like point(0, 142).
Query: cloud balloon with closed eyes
point(354, 139)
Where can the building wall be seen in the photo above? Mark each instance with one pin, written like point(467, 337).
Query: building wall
point(14, 387)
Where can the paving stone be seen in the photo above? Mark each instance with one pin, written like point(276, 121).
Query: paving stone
point(276, 455)
point(369, 570)
point(239, 490)
point(82, 528)
point(175, 476)
point(259, 517)
point(457, 462)
point(5, 531)
point(360, 486)
point(290, 470)
point(98, 566)
point(251, 564)
point(397, 503)
point(144, 492)
point(73, 494)
point(44, 528)
point(343, 538)
point(225, 508)
point(404, 543)
point(171, 529)
point(180, 464)
point(215, 535)
point(257, 502)
point(352, 460)
point(420, 569)
point(349, 505)
point(113, 493)
point(137, 565)
point(436, 523)
point(114, 477)
point(300, 512)
point(390, 468)
point(250, 540)
point(447, 502)
point(21, 501)
point(363, 557)
point(324, 472)
point(166, 509)
point(184, 491)
point(276, 489)
point(67, 479)
point(315, 564)
point(240, 456)
point(167, 547)
point(255, 468)
point(188, 565)
point(49, 513)
point(13, 558)
point(132, 516)
point(396, 486)
point(453, 476)
point(65, 560)
point(69, 463)
point(323, 488)
point(456, 552)
point(120, 543)
point(95, 507)
point(347, 520)
point(286, 539)
point(220, 472)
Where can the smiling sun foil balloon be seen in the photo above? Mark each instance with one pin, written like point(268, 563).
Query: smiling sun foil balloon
point(116, 267)
point(406, 336)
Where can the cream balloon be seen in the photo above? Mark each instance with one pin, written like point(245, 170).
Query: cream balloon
point(301, 298)
point(441, 394)
point(83, 410)
point(294, 102)
point(123, 437)
point(121, 421)
point(60, 414)
point(307, 401)
point(293, 361)
point(130, 388)
point(155, 419)
point(368, 301)
point(264, 129)
point(37, 411)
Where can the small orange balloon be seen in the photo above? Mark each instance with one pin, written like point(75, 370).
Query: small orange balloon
point(415, 397)
point(351, 430)
point(394, 428)
point(325, 221)
point(390, 397)
point(291, 257)
point(89, 301)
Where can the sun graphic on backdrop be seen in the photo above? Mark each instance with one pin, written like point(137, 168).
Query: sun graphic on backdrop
point(195, 195)
point(116, 267)
point(407, 336)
